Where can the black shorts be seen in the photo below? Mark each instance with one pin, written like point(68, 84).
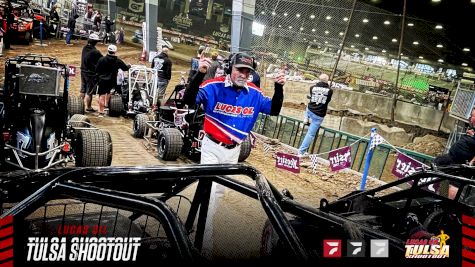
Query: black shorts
point(88, 84)
point(105, 87)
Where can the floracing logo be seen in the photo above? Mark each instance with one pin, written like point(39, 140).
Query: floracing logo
point(434, 248)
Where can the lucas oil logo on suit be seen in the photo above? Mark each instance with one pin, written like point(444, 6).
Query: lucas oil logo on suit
point(234, 111)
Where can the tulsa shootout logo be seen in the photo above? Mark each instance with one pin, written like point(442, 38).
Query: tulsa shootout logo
point(433, 248)
point(70, 246)
point(234, 111)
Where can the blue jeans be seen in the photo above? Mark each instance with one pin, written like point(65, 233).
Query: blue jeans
point(315, 123)
point(68, 36)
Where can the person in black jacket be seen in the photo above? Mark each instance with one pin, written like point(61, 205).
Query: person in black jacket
point(108, 25)
point(72, 28)
point(107, 69)
point(89, 58)
point(320, 96)
point(163, 65)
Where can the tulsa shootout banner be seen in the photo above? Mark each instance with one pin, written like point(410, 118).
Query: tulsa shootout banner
point(405, 166)
point(340, 158)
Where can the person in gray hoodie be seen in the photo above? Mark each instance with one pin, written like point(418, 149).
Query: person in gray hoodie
point(163, 65)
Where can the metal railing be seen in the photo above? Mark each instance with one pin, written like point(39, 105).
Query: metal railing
point(291, 131)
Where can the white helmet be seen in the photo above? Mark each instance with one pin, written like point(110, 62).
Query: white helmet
point(112, 48)
point(94, 37)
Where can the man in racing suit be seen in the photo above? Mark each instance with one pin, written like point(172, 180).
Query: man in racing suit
point(231, 105)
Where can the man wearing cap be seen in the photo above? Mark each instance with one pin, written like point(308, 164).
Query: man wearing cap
point(107, 69)
point(89, 58)
point(163, 65)
point(231, 105)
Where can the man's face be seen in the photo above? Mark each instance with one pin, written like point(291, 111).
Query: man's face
point(239, 76)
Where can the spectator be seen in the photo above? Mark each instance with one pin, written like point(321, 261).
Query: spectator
point(107, 36)
point(163, 65)
point(211, 73)
point(72, 28)
point(194, 63)
point(231, 106)
point(320, 96)
point(107, 69)
point(97, 20)
point(462, 152)
point(89, 58)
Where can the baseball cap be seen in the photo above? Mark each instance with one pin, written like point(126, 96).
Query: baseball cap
point(94, 37)
point(244, 61)
point(112, 48)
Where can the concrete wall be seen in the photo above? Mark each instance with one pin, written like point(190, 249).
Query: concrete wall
point(356, 102)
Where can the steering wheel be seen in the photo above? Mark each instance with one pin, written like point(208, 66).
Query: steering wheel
point(440, 219)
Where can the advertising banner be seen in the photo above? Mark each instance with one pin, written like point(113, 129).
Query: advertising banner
point(340, 159)
point(288, 162)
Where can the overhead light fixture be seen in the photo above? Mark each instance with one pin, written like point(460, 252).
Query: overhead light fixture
point(421, 57)
point(297, 15)
point(415, 43)
point(466, 49)
point(263, 13)
point(285, 14)
point(394, 40)
point(464, 64)
point(305, 39)
point(312, 16)
point(326, 42)
point(410, 24)
point(315, 40)
point(357, 35)
point(472, 1)
point(440, 60)
point(313, 30)
point(328, 18)
point(273, 13)
point(365, 20)
point(352, 46)
point(301, 28)
point(366, 48)
point(439, 27)
point(387, 22)
point(327, 32)
point(345, 19)
point(384, 51)
point(280, 26)
point(290, 27)
point(341, 33)
point(435, 1)
point(375, 37)
point(440, 46)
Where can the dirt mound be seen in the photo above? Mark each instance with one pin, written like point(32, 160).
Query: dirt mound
point(428, 144)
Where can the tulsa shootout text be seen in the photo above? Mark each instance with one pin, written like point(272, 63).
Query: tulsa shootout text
point(83, 249)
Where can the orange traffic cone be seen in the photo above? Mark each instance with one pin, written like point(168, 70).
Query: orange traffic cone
point(143, 57)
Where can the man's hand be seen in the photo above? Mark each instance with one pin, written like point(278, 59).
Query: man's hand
point(204, 65)
point(471, 132)
point(280, 78)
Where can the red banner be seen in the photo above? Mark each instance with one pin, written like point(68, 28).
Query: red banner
point(340, 159)
point(287, 162)
point(405, 166)
point(72, 71)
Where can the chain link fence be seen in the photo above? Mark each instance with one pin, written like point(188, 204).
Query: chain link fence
point(359, 48)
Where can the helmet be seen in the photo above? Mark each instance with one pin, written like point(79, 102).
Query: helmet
point(94, 37)
point(112, 48)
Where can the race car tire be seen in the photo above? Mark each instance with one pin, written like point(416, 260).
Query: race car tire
point(75, 105)
point(78, 120)
point(115, 106)
point(245, 149)
point(170, 144)
point(139, 124)
point(93, 148)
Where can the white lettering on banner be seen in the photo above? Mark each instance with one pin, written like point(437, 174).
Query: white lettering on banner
point(340, 158)
point(404, 168)
point(182, 21)
point(291, 163)
point(319, 95)
point(72, 71)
